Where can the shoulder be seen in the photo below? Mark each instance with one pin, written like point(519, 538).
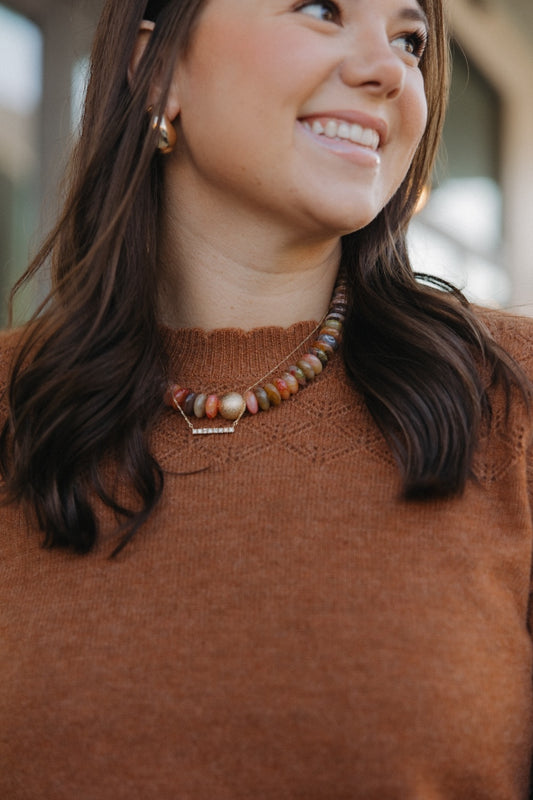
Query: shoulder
point(513, 333)
point(503, 447)
point(10, 341)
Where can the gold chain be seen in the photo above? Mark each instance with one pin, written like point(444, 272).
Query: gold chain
point(231, 428)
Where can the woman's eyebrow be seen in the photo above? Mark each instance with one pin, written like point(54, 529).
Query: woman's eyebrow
point(415, 14)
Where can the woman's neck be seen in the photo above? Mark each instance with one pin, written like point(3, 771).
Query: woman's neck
point(210, 282)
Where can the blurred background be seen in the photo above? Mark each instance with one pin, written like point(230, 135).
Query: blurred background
point(474, 226)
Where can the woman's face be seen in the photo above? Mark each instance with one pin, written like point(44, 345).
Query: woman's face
point(305, 115)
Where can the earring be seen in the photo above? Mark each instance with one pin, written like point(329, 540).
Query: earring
point(167, 134)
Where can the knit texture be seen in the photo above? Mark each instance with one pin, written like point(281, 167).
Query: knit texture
point(285, 627)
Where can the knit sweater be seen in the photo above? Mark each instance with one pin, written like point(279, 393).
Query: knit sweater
point(285, 626)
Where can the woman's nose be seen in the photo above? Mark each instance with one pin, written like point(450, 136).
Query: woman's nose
point(374, 64)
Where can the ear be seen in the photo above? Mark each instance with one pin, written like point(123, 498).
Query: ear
point(143, 37)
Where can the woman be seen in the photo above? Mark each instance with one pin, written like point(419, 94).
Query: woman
point(331, 600)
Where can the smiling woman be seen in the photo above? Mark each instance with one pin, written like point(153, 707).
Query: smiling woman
point(266, 523)
point(262, 162)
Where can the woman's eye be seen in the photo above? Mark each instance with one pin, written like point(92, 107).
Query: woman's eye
point(326, 11)
point(413, 44)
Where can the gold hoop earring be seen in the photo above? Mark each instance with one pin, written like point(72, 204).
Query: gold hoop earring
point(167, 134)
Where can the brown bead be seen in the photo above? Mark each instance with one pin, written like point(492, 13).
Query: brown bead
point(291, 382)
point(273, 394)
point(324, 346)
point(188, 405)
point(314, 362)
point(339, 310)
point(325, 331)
point(307, 370)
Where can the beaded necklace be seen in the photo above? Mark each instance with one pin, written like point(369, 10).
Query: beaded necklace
point(261, 395)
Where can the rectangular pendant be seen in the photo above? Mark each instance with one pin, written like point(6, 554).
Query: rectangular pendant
point(213, 431)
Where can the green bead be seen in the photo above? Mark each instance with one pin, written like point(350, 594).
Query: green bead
point(320, 354)
point(336, 324)
point(262, 398)
point(298, 374)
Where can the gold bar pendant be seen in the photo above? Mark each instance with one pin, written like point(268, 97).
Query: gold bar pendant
point(213, 431)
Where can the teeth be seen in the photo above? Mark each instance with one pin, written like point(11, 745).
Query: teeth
point(367, 137)
point(344, 131)
point(332, 129)
point(356, 134)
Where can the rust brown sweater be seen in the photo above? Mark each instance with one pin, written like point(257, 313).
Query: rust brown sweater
point(284, 628)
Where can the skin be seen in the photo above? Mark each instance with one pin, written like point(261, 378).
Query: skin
point(256, 203)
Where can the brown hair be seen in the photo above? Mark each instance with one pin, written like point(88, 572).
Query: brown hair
point(88, 379)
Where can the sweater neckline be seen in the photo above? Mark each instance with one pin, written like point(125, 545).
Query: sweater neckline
point(228, 359)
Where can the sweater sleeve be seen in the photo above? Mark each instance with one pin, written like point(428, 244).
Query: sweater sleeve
point(515, 335)
point(9, 340)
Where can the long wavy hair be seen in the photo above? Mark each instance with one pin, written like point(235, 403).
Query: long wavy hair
point(86, 385)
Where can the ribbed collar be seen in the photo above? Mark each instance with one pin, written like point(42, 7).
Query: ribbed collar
point(230, 359)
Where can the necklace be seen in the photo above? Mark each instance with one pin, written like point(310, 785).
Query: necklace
point(264, 394)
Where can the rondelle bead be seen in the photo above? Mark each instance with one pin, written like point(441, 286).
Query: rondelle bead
point(314, 361)
point(331, 340)
point(232, 406)
point(262, 398)
point(170, 393)
point(335, 316)
point(326, 348)
point(327, 331)
point(251, 402)
point(273, 394)
point(188, 405)
point(298, 374)
point(180, 395)
point(307, 370)
point(199, 406)
point(339, 309)
point(291, 382)
point(282, 388)
point(321, 354)
point(340, 298)
point(335, 324)
point(211, 406)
